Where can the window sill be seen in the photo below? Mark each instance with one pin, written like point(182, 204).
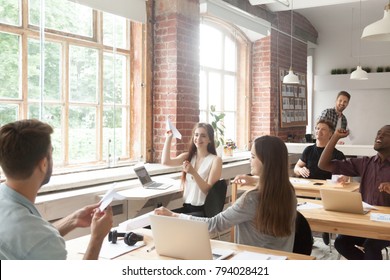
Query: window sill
point(116, 174)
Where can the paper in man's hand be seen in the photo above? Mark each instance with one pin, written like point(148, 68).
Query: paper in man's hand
point(171, 127)
point(109, 196)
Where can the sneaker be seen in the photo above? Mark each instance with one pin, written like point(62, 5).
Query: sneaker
point(325, 238)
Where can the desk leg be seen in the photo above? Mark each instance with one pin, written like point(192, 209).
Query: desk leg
point(233, 199)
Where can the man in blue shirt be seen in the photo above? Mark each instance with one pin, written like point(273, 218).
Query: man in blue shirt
point(26, 160)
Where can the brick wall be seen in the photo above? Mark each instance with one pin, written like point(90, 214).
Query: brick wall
point(176, 71)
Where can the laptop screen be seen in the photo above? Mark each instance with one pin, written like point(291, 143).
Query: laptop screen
point(142, 175)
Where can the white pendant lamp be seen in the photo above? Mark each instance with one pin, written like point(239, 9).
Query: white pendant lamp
point(379, 30)
point(359, 73)
point(291, 78)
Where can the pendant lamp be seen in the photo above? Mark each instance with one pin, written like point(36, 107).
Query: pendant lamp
point(379, 30)
point(291, 78)
point(359, 73)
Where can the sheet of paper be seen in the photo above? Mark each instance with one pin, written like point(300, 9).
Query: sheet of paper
point(137, 222)
point(111, 251)
point(246, 255)
point(308, 205)
point(380, 217)
point(171, 127)
point(367, 206)
point(110, 196)
point(299, 181)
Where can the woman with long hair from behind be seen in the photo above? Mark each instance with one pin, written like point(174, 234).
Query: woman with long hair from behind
point(264, 216)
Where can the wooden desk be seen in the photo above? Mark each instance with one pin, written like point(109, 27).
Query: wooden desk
point(141, 253)
point(344, 223)
point(311, 187)
point(303, 187)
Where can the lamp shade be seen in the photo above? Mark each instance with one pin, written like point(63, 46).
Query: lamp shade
point(290, 78)
point(359, 74)
point(379, 30)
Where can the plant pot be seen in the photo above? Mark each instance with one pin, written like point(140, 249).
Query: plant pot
point(228, 152)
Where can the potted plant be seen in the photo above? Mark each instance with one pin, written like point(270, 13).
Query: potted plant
point(218, 126)
point(379, 69)
point(228, 148)
point(387, 69)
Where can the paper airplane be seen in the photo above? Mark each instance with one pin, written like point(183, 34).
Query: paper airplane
point(110, 196)
point(171, 127)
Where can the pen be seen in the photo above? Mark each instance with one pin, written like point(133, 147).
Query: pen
point(303, 203)
point(150, 249)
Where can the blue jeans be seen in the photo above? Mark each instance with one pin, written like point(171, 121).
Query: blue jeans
point(345, 245)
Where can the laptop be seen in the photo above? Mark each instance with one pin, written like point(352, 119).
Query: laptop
point(343, 201)
point(184, 239)
point(147, 181)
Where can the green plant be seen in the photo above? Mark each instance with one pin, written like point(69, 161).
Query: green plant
point(379, 69)
point(333, 72)
point(387, 69)
point(367, 69)
point(218, 126)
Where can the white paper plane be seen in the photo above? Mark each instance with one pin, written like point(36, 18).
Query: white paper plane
point(110, 196)
point(171, 127)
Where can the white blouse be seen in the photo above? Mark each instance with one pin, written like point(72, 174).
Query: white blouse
point(192, 193)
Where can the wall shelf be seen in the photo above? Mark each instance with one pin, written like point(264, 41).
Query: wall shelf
point(343, 81)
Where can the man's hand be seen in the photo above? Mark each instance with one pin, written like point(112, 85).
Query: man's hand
point(384, 187)
point(304, 172)
point(341, 133)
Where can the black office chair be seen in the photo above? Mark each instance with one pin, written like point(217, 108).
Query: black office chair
point(303, 242)
point(215, 200)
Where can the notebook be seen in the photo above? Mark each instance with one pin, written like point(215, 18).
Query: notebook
point(184, 239)
point(343, 201)
point(147, 181)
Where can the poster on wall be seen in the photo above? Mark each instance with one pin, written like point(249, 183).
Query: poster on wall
point(293, 101)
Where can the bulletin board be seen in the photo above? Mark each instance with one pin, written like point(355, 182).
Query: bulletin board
point(293, 101)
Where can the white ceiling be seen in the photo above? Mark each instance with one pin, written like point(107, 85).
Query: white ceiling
point(325, 14)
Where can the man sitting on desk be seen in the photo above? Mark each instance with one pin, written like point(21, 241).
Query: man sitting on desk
point(307, 165)
point(26, 160)
point(374, 187)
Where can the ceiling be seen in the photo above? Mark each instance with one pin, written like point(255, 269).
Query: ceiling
point(325, 14)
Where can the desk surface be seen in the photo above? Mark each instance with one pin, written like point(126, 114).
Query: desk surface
point(142, 252)
point(305, 187)
point(346, 223)
point(311, 187)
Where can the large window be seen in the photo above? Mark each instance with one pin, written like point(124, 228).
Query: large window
point(72, 69)
point(224, 78)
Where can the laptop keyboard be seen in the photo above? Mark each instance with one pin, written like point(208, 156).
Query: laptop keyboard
point(155, 185)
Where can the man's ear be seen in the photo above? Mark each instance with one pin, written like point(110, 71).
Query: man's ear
point(42, 164)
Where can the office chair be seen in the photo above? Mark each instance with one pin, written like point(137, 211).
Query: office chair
point(215, 200)
point(303, 241)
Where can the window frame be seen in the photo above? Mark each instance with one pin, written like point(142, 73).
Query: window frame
point(134, 103)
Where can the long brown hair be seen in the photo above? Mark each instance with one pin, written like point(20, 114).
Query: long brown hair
point(192, 148)
point(274, 213)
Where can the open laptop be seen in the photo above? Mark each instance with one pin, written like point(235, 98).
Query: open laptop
point(147, 182)
point(184, 239)
point(343, 201)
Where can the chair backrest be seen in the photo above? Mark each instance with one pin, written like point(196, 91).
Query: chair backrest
point(215, 199)
point(303, 242)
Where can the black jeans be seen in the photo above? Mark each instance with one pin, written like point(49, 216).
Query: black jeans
point(190, 210)
point(345, 245)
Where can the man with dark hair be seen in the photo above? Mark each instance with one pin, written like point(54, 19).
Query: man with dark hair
point(335, 115)
point(374, 187)
point(26, 160)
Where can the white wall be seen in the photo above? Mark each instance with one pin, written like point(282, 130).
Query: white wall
point(369, 106)
point(367, 112)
